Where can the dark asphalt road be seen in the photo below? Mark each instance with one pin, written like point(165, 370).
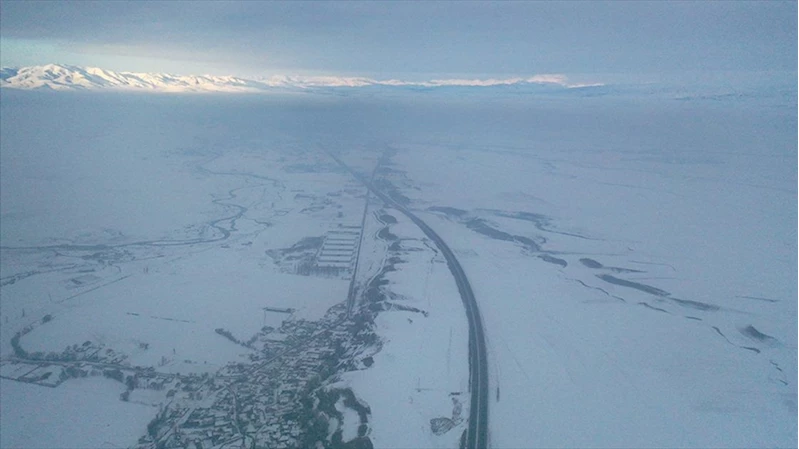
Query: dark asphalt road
point(477, 432)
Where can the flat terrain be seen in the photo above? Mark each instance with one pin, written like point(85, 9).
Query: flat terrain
point(203, 266)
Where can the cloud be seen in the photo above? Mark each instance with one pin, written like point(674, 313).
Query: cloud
point(390, 38)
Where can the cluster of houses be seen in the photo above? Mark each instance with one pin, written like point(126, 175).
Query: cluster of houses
point(222, 424)
point(44, 374)
point(50, 369)
point(264, 402)
point(340, 248)
point(332, 255)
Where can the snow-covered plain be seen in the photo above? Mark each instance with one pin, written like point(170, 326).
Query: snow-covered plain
point(634, 259)
point(697, 200)
point(77, 414)
point(145, 235)
point(424, 351)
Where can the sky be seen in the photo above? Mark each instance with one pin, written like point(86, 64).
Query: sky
point(403, 39)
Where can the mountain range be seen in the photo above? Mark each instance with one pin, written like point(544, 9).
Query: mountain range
point(67, 77)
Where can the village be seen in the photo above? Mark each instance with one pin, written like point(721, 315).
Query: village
point(266, 401)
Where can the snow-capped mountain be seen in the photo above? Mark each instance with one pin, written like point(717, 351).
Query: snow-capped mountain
point(67, 77)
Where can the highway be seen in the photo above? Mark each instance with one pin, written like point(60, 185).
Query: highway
point(477, 431)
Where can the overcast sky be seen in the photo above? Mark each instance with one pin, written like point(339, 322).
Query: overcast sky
point(403, 39)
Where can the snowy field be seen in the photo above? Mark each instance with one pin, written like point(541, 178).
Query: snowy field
point(634, 259)
point(77, 414)
point(424, 352)
point(635, 265)
point(144, 235)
